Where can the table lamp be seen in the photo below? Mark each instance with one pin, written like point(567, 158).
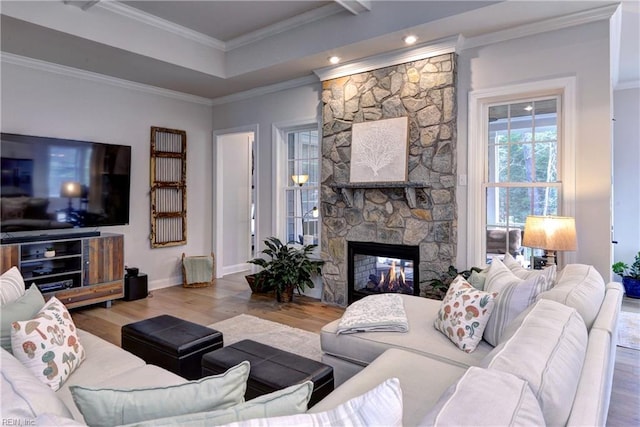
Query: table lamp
point(70, 189)
point(551, 233)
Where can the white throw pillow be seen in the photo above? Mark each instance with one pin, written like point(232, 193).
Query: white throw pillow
point(468, 402)
point(381, 406)
point(514, 296)
point(11, 285)
point(381, 313)
point(48, 344)
point(464, 314)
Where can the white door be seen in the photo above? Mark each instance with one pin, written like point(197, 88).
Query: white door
point(233, 201)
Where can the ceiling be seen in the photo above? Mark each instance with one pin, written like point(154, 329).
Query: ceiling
point(215, 49)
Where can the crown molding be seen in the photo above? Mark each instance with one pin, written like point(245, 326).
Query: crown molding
point(551, 24)
point(36, 64)
point(355, 6)
point(282, 26)
point(435, 48)
point(265, 90)
point(146, 18)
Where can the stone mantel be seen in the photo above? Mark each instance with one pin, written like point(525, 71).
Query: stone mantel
point(347, 189)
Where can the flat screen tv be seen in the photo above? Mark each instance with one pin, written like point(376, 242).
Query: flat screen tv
point(52, 183)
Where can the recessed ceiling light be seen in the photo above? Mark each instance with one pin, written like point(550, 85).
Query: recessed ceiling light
point(334, 59)
point(410, 39)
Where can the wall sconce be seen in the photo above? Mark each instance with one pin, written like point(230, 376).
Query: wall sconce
point(551, 233)
point(300, 179)
point(70, 189)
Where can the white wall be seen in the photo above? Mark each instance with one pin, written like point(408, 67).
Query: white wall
point(626, 175)
point(42, 103)
point(285, 106)
point(583, 52)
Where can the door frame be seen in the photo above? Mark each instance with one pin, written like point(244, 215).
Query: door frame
point(218, 191)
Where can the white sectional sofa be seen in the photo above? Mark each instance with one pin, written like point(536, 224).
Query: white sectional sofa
point(563, 346)
point(554, 368)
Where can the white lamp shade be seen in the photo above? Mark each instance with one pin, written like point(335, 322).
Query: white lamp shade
point(554, 233)
point(300, 179)
point(70, 189)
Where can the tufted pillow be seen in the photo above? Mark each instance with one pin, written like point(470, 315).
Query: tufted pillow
point(579, 286)
point(381, 406)
point(110, 407)
point(514, 296)
point(467, 402)
point(24, 308)
point(547, 350)
point(464, 313)
point(549, 272)
point(11, 286)
point(48, 344)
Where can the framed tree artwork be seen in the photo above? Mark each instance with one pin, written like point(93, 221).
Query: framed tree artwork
point(379, 151)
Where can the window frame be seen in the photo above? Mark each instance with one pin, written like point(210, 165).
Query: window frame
point(282, 182)
point(479, 103)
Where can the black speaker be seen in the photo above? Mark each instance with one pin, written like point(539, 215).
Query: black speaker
point(135, 287)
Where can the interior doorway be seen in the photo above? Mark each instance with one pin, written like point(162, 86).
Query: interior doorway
point(234, 199)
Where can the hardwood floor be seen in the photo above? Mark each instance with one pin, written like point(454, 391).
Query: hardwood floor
point(231, 296)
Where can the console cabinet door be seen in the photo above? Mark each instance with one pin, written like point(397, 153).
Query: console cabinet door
point(103, 260)
point(9, 256)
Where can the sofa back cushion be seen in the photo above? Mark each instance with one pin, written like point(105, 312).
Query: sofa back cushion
point(547, 350)
point(467, 402)
point(581, 287)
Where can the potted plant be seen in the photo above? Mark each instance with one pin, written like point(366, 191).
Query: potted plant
point(288, 267)
point(630, 276)
point(49, 252)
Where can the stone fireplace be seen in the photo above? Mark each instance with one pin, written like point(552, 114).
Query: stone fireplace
point(376, 268)
point(418, 213)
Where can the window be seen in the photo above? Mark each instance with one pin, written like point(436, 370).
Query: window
point(302, 188)
point(521, 161)
point(521, 170)
point(65, 164)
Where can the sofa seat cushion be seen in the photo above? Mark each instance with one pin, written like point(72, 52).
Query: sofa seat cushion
point(581, 287)
point(547, 350)
point(422, 337)
point(24, 396)
point(422, 380)
point(467, 402)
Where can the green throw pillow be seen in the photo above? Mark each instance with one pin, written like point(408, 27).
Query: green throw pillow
point(289, 401)
point(24, 308)
point(112, 407)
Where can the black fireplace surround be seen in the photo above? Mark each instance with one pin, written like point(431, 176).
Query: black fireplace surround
point(376, 268)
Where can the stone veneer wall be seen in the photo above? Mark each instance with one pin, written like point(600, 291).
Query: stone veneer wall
point(424, 91)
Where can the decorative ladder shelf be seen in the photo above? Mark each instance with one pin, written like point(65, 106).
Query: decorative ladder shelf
point(409, 189)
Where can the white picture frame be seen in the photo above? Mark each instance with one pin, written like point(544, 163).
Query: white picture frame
point(379, 151)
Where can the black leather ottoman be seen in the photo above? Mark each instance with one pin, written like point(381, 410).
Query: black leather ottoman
point(271, 369)
point(171, 343)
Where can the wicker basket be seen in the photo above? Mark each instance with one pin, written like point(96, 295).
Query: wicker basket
point(186, 284)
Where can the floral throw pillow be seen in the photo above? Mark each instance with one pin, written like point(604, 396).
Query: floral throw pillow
point(48, 344)
point(464, 314)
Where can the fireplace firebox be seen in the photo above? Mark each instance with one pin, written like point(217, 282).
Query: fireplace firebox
point(376, 268)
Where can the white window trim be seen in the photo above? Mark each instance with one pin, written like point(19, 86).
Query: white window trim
point(279, 132)
point(479, 101)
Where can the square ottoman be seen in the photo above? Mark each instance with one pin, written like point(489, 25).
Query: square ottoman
point(271, 369)
point(171, 343)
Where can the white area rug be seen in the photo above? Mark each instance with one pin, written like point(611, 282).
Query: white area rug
point(629, 330)
point(276, 335)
